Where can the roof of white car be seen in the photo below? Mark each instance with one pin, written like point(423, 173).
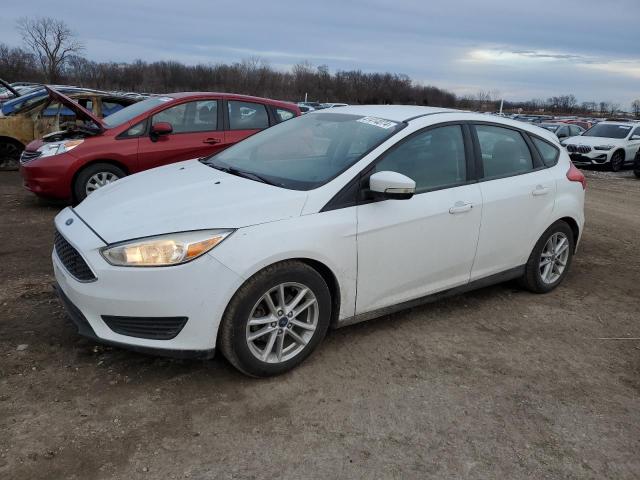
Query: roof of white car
point(396, 113)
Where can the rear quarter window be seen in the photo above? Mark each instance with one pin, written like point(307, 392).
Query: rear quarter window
point(548, 152)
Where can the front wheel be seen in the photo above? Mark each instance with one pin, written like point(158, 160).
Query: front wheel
point(276, 319)
point(550, 259)
point(95, 176)
point(617, 161)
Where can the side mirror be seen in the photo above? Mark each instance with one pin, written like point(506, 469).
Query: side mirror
point(160, 128)
point(391, 185)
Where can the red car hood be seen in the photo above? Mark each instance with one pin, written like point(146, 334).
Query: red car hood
point(81, 112)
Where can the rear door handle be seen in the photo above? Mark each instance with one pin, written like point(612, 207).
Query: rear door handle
point(211, 140)
point(460, 207)
point(540, 190)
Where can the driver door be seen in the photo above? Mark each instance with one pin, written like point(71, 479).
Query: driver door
point(411, 248)
point(197, 132)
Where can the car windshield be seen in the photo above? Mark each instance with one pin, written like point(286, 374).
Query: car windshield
point(551, 128)
point(608, 130)
point(305, 152)
point(133, 111)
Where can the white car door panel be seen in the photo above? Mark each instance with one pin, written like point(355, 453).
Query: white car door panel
point(411, 248)
point(516, 207)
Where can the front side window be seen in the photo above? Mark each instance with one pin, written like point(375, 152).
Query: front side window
point(433, 159)
point(200, 116)
point(504, 151)
point(247, 116)
point(305, 152)
point(575, 130)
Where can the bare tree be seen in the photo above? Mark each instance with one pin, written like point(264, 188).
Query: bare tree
point(635, 108)
point(52, 42)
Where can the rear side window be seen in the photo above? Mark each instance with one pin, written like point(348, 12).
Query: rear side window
point(283, 114)
point(247, 116)
point(504, 151)
point(548, 152)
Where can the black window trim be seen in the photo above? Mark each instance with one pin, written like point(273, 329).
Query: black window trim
point(343, 199)
point(475, 168)
point(537, 151)
point(536, 159)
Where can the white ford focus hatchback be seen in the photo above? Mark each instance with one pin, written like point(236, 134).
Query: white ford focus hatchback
point(325, 220)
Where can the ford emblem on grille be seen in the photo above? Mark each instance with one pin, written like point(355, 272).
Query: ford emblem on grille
point(69, 221)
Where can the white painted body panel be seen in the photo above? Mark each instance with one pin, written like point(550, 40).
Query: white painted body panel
point(380, 254)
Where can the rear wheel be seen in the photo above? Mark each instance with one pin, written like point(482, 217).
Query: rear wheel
point(276, 319)
point(617, 161)
point(94, 177)
point(550, 259)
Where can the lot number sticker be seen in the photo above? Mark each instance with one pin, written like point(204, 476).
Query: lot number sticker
point(377, 122)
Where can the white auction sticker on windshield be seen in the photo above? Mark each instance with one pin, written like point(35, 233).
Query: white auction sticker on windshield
point(377, 122)
point(624, 127)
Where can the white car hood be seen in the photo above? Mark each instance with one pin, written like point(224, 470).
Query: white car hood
point(184, 196)
point(593, 141)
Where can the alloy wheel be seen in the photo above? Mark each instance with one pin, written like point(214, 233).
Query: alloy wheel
point(99, 180)
point(282, 322)
point(554, 257)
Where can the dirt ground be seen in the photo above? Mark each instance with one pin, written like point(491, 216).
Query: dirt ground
point(498, 383)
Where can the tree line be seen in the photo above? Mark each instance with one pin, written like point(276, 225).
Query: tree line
point(52, 54)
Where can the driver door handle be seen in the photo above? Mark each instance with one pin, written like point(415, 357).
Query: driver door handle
point(211, 140)
point(460, 207)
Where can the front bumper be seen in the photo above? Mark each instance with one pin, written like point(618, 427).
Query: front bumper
point(594, 157)
point(49, 177)
point(199, 290)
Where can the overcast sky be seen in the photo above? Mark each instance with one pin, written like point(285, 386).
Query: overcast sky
point(523, 49)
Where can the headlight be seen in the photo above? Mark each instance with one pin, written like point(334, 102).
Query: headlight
point(603, 147)
point(164, 250)
point(56, 148)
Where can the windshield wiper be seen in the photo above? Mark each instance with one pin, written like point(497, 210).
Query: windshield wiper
point(240, 173)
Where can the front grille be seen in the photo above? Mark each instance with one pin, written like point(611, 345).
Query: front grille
point(155, 328)
point(28, 155)
point(576, 157)
point(72, 260)
point(578, 148)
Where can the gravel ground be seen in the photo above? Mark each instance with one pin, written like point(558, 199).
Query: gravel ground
point(498, 383)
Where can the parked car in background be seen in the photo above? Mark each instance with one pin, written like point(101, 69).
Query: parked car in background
point(159, 130)
point(584, 124)
point(562, 130)
point(334, 105)
point(329, 219)
point(9, 91)
point(35, 114)
point(607, 143)
point(306, 109)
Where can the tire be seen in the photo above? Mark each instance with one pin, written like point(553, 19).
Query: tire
point(617, 161)
point(91, 174)
point(534, 276)
point(249, 303)
point(10, 154)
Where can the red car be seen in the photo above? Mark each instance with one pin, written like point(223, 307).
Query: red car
point(92, 152)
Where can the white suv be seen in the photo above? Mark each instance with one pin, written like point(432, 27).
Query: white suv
point(613, 143)
point(324, 220)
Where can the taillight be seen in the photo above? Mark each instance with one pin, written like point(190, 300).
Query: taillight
point(575, 175)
